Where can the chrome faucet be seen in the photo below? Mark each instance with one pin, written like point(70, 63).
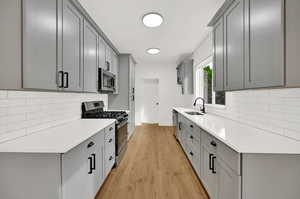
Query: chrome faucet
point(203, 104)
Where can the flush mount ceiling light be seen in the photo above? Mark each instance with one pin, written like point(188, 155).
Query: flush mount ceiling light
point(153, 51)
point(152, 19)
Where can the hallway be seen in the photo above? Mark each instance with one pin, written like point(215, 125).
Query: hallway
point(154, 167)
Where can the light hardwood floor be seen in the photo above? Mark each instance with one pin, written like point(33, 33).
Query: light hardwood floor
point(154, 167)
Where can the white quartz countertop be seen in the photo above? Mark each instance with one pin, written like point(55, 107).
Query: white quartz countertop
point(241, 137)
point(59, 139)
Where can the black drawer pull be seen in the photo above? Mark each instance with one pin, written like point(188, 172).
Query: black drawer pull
point(191, 153)
point(192, 137)
point(213, 143)
point(91, 167)
point(90, 144)
point(191, 126)
point(94, 163)
point(110, 158)
point(210, 161)
point(61, 73)
point(110, 140)
point(111, 128)
point(213, 164)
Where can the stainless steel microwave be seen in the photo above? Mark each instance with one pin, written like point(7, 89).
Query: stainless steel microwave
point(106, 81)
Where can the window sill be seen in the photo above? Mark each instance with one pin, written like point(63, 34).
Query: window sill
point(221, 107)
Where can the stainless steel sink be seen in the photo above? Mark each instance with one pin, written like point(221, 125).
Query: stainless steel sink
point(194, 113)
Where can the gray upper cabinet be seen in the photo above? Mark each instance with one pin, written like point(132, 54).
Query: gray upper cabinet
point(265, 43)
point(46, 45)
point(90, 58)
point(185, 76)
point(101, 54)
point(260, 44)
point(234, 46)
point(218, 42)
point(39, 44)
point(72, 47)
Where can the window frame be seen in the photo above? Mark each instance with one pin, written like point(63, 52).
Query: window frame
point(199, 82)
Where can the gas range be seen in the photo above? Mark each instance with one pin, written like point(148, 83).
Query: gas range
point(94, 110)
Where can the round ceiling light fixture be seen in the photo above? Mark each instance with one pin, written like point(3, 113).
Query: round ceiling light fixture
point(153, 51)
point(152, 19)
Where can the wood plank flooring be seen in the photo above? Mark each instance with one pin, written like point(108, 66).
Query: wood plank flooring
point(154, 167)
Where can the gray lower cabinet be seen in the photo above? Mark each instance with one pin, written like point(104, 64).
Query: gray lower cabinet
point(260, 44)
point(216, 165)
point(234, 46)
point(228, 183)
point(209, 179)
point(227, 174)
point(72, 51)
point(76, 174)
point(90, 58)
point(39, 44)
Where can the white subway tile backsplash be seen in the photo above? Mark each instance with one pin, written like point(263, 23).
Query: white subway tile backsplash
point(23, 113)
point(275, 110)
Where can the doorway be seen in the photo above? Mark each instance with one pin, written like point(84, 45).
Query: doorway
point(150, 101)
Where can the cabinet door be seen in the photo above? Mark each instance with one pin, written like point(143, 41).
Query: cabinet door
point(108, 59)
point(207, 176)
point(115, 70)
point(39, 44)
point(101, 54)
point(264, 43)
point(132, 93)
point(99, 164)
point(234, 46)
point(218, 67)
point(72, 47)
point(228, 183)
point(75, 177)
point(90, 58)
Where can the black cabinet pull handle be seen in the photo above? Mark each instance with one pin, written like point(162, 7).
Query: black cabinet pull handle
point(179, 125)
point(91, 162)
point(213, 164)
point(213, 143)
point(111, 128)
point(66, 74)
point(61, 73)
point(94, 162)
point(90, 144)
point(191, 126)
point(110, 140)
point(191, 153)
point(210, 161)
point(192, 137)
point(110, 158)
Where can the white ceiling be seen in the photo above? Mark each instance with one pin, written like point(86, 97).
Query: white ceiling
point(183, 29)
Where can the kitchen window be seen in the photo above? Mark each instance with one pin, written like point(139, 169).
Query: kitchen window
point(204, 84)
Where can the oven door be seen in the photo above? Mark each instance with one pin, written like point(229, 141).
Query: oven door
point(122, 138)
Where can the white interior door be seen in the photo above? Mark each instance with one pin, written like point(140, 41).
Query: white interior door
point(150, 101)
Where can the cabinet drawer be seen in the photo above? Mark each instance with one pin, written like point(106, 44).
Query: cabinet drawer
point(110, 132)
point(109, 161)
point(230, 157)
point(209, 141)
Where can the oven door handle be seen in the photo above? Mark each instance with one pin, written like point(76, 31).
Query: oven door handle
point(122, 124)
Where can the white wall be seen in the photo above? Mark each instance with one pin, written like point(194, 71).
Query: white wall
point(169, 92)
point(274, 110)
point(24, 113)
